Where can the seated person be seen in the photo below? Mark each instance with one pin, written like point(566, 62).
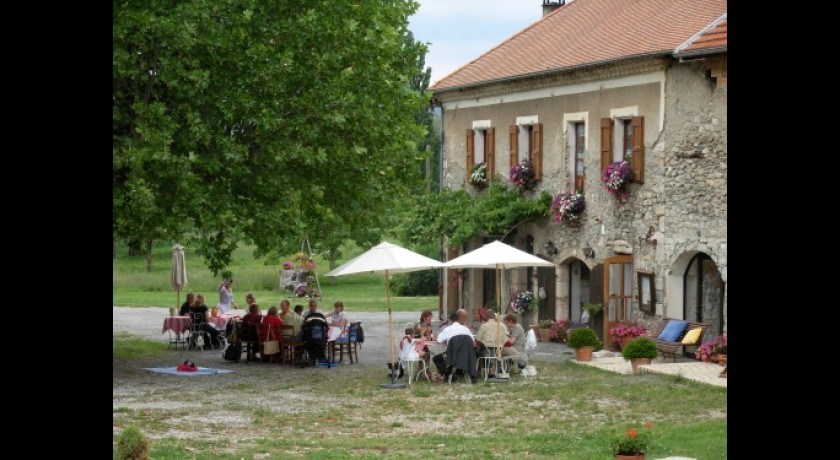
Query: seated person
point(336, 321)
point(494, 334)
point(185, 307)
point(295, 319)
point(272, 318)
point(313, 310)
point(407, 349)
point(200, 312)
point(249, 328)
point(455, 328)
point(423, 329)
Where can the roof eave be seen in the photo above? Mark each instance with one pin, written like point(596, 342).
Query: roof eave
point(700, 53)
point(549, 72)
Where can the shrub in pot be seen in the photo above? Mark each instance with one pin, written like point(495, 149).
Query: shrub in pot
point(582, 337)
point(640, 351)
point(584, 341)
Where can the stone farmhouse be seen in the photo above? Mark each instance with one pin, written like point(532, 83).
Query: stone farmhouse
point(591, 83)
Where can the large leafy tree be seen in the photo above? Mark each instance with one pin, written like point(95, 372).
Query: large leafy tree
point(262, 121)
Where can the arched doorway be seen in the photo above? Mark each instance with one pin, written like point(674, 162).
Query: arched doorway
point(703, 294)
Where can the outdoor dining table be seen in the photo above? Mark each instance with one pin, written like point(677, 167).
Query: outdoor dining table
point(179, 324)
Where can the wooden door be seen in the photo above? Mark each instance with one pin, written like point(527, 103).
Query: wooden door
point(618, 290)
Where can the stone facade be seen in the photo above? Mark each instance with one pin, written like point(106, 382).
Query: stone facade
point(678, 213)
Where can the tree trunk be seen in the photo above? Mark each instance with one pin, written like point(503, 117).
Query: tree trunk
point(134, 247)
point(149, 256)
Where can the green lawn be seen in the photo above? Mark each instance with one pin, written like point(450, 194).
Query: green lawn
point(135, 287)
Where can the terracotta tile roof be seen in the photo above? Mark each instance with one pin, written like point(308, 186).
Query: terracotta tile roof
point(586, 32)
point(714, 37)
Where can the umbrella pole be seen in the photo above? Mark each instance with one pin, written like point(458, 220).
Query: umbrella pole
point(178, 297)
point(393, 385)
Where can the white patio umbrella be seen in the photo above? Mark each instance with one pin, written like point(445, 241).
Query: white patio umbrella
point(179, 271)
point(387, 258)
point(500, 256)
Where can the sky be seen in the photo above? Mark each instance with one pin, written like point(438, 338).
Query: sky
point(458, 31)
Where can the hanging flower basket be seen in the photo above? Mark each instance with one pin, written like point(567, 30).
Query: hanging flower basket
point(523, 176)
point(478, 175)
point(567, 207)
point(617, 178)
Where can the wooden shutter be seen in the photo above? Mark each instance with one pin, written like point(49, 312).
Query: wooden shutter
point(470, 151)
point(514, 145)
point(638, 162)
point(606, 143)
point(536, 149)
point(490, 151)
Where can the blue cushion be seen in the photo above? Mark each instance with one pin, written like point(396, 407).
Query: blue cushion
point(672, 330)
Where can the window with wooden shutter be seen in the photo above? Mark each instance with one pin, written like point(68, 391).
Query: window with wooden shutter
point(536, 150)
point(470, 150)
point(514, 145)
point(579, 147)
point(606, 143)
point(490, 151)
point(638, 149)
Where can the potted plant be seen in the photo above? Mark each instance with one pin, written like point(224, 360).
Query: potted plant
point(544, 330)
point(640, 351)
point(633, 443)
point(567, 207)
point(713, 350)
point(617, 178)
point(522, 176)
point(559, 330)
point(584, 341)
point(478, 175)
point(625, 331)
point(523, 302)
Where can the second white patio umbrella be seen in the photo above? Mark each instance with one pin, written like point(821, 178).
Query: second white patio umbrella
point(387, 258)
point(500, 256)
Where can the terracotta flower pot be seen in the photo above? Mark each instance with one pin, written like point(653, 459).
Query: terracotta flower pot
point(624, 341)
point(635, 363)
point(545, 335)
point(722, 360)
point(584, 353)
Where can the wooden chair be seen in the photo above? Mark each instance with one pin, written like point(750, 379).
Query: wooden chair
point(347, 341)
point(290, 345)
point(246, 335)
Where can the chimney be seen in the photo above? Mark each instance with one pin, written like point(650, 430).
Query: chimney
point(550, 5)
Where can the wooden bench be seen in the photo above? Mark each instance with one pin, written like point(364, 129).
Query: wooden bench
point(670, 348)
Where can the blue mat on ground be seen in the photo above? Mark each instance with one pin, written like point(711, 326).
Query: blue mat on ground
point(200, 371)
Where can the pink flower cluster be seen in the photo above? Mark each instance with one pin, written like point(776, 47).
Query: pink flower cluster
point(627, 329)
point(617, 178)
point(711, 349)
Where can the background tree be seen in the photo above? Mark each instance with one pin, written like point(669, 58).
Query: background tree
point(262, 122)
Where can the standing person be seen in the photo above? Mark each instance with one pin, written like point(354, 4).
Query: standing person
point(185, 307)
point(423, 329)
point(336, 321)
point(226, 297)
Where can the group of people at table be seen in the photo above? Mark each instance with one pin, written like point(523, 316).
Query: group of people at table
point(505, 337)
point(195, 307)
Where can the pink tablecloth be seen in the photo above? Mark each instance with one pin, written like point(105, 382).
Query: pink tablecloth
point(176, 324)
point(220, 321)
point(179, 324)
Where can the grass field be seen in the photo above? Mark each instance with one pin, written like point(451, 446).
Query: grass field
point(133, 286)
point(568, 411)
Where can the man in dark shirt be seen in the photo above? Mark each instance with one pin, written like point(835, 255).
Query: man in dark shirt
point(185, 308)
